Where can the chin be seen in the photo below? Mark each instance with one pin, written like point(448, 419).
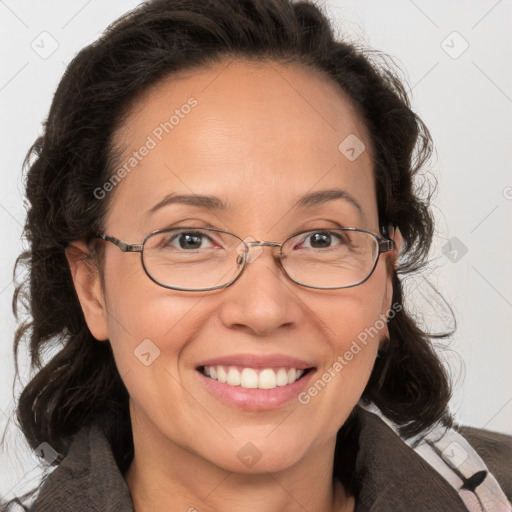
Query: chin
point(258, 454)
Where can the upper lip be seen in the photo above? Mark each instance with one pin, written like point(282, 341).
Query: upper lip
point(258, 361)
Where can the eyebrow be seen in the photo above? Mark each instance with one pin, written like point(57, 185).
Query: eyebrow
point(208, 202)
point(310, 200)
point(320, 197)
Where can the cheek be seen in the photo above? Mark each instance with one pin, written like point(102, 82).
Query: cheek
point(358, 317)
point(146, 318)
point(354, 324)
point(150, 330)
point(359, 329)
point(164, 324)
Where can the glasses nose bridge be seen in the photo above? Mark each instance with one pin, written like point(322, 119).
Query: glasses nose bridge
point(259, 244)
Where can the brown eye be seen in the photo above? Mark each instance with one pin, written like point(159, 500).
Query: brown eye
point(186, 240)
point(322, 240)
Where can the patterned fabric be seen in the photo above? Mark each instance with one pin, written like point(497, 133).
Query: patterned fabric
point(450, 454)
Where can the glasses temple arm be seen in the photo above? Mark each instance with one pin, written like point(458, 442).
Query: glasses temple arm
point(124, 246)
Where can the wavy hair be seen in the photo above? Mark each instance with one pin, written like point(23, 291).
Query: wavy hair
point(75, 155)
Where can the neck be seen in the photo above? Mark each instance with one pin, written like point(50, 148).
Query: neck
point(167, 477)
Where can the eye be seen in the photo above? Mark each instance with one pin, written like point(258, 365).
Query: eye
point(322, 240)
point(187, 240)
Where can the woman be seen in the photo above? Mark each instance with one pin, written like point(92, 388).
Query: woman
point(255, 354)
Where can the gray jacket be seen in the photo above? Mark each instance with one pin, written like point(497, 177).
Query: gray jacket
point(388, 475)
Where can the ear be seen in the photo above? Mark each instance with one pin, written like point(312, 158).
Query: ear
point(392, 265)
point(399, 244)
point(87, 283)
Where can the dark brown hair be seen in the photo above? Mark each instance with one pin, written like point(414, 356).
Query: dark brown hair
point(74, 156)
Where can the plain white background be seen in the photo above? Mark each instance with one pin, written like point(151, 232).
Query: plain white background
point(456, 58)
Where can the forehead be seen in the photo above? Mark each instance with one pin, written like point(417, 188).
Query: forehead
point(248, 132)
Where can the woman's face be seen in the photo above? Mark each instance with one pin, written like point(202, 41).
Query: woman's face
point(257, 136)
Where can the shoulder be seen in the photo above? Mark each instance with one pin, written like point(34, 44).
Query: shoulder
point(87, 478)
point(476, 463)
point(495, 449)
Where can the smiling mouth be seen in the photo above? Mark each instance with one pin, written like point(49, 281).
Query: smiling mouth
point(252, 378)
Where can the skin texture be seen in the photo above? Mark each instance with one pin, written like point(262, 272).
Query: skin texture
point(260, 136)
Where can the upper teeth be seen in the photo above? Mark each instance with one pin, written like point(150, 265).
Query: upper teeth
point(249, 377)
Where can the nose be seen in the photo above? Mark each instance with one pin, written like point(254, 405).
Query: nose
point(262, 299)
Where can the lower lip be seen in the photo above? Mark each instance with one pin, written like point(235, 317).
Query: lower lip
point(256, 399)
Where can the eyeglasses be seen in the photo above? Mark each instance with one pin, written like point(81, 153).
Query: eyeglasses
point(203, 259)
